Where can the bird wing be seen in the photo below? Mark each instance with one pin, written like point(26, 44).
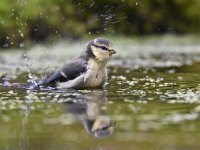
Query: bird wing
point(69, 72)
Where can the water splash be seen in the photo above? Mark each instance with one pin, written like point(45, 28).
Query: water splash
point(31, 78)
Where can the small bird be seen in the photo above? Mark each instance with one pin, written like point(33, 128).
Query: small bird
point(86, 71)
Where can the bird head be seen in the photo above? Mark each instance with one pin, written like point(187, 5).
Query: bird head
point(101, 49)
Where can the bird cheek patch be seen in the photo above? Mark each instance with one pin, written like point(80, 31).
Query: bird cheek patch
point(95, 51)
point(93, 48)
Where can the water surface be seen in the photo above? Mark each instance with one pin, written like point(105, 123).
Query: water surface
point(152, 100)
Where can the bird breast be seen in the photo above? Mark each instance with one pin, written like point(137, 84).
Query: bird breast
point(96, 74)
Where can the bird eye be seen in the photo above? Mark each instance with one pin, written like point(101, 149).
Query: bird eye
point(104, 48)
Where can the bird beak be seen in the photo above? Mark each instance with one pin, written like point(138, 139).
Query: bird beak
point(112, 51)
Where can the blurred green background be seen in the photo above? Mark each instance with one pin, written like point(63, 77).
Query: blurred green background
point(26, 21)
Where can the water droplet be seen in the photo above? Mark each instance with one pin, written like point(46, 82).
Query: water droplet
point(21, 45)
point(22, 35)
point(92, 4)
point(30, 76)
point(5, 45)
point(137, 3)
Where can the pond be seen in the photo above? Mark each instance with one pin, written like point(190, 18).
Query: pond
point(152, 100)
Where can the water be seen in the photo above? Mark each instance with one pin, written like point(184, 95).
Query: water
point(152, 100)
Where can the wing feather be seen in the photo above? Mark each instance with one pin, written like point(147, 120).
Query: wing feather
point(69, 72)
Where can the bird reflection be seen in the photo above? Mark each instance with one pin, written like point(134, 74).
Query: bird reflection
point(91, 112)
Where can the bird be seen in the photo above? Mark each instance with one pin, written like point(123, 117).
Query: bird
point(84, 72)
